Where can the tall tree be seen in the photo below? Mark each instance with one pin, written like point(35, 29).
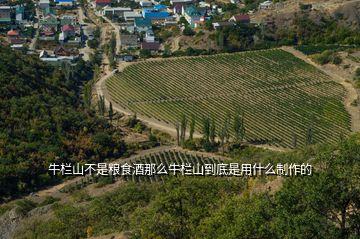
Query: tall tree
point(183, 126)
point(192, 126)
point(111, 112)
point(212, 135)
point(206, 128)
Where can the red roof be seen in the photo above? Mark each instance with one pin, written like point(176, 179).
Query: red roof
point(68, 27)
point(242, 18)
point(12, 33)
point(103, 1)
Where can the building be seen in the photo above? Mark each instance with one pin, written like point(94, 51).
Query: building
point(244, 19)
point(152, 46)
point(149, 36)
point(68, 3)
point(142, 24)
point(102, 3)
point(194, 15)
point(145, 3)
point(5, 14)
point(49, 11)
point(14, 37)
point(220, 25)
point(44, 4)
point(19, 13)
point(181, 1)
point(128, 41)
point(115, 11)
point(265, 5)
point(55, 60)
point(62, 51)
point(131, 16)
point(157, 12)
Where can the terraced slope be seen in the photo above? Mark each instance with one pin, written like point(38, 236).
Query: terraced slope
point(280, 95)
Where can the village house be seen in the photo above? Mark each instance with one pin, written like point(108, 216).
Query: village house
point(5, 14)
point(181, 1)
point(145, 3)
point(157, 12)
point(19, 13)
point(149, 36)
point(115, 11)
point(152, 46)
point(102, 3)
point(14, 37)
point(44, 4)
point(142, 24)
point(266, 5)
point(65, 3)
point(131, 16)
point(62, 51)
point(128, 41)
point(244, 19)
point(194, 15)
point(220, 25)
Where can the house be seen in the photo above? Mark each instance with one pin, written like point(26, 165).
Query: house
point(131, 16)
point(194, 15)
point(126, 58)
point(220, 25)
point(181, 1)
point(14, 38)
point(157, 12)
point(102, 3)
point(145, 3)
point(68, 30)
point(19, 11)
point(44, 4)
point(128, 41)
point(48, 11)
point(244, 19)
point(152, 46)
point(142, 24)
point(265, 5)
point(49, 21)
point(177, 8)
point(62, 51)
point(68, 20)
point(149, 36)
point(5, 14)
point(55, 60)
point(115, 11)
point(68, 3)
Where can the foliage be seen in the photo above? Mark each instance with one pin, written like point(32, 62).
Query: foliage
point(42, 121)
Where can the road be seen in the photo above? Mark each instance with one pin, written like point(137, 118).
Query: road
point(32, 45)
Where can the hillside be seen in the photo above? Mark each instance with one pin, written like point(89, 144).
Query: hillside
point(280, 96)
point(42, 120)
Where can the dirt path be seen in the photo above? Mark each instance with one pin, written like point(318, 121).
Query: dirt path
point(351, 95)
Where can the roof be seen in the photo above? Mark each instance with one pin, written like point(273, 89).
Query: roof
point(150, 45)
point(132, 15)
point(193, 11)
point(20, 9)
point(154, 14)
point(142, 22)
point(103, 1)
point(127, 39)
point(240, 18)
point(223, 24)
point(65, 21)
point(5, 8)
point(68, 27)
point(12, 33)
point(64, 0)
point(159, 7)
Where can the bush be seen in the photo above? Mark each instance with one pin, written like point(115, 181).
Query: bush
point(48, 200)
point(188, 31)
point(24, 206)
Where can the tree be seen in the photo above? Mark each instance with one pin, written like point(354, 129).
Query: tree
point(239, 127)
point(206, 129)
point(101, 105)
point(177, 128)
point(183, 125)
point(212, 134)
point(192, 127)
point(309, 136)
point(111, 112)
point(188, 31)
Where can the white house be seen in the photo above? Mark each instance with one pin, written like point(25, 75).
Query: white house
point(131, 16)
point(265, 5)
point(149, 36)
point(115, 11)
point(145, 3)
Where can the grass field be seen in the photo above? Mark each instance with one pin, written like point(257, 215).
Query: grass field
point(281, 96)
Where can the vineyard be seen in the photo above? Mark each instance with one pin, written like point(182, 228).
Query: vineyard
point(165, 158)
point(281, 96)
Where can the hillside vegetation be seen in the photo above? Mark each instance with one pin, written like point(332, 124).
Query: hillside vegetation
point(42, 120)
point(324, 205)
point(281, 98)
